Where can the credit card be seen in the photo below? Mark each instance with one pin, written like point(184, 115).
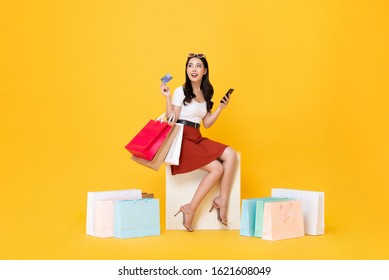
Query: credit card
point(165, 79)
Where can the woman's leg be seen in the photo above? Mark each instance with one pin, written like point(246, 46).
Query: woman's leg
point(215, 171)
point(228, 159)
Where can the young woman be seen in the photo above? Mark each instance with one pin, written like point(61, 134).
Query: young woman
point(192, 103)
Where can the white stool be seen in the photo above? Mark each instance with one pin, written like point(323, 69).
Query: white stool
point(180, 190)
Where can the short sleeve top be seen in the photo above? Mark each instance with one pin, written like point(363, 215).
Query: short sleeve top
point(193, 111)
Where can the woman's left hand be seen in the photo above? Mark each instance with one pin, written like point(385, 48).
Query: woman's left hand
point(224, 102)
point(210, 118)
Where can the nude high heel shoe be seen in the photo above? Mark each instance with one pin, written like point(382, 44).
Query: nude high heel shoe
point(214, 205)
point(181, 210)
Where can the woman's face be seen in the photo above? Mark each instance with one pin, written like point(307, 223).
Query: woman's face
point(195, 69)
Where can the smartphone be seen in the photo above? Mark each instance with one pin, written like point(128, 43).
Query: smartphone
point(165, 79)
point(228, 94)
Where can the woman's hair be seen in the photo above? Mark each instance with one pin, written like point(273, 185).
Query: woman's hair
point(206, 86)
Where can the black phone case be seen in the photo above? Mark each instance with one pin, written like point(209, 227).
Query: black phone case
point(228, 94)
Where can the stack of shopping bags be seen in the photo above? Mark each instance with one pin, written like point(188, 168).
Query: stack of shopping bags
point(286, 214)
point(122, 214)
point(157, 142)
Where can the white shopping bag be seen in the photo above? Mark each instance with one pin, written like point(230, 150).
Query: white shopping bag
point(173, 156)
point(106, 195)
point(104, 218)
point(313, 207)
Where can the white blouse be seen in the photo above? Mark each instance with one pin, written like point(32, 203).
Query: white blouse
point(193, 111)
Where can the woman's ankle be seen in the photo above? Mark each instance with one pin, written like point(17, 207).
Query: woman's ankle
point(220, 202)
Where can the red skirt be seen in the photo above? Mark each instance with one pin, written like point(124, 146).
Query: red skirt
point(196, 151)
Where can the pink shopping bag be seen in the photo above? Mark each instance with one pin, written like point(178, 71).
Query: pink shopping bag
point(283, 220)
point(148, 141)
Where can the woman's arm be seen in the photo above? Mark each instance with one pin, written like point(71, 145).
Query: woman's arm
point(210, 118)
point(170, 108)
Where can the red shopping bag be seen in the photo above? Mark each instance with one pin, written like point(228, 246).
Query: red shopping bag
point(147, 142)
point(160, 156)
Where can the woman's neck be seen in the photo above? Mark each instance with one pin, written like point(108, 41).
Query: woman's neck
point(196, 86)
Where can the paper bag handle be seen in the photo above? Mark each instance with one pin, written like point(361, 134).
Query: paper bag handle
point(286, 212)
point(170, 118)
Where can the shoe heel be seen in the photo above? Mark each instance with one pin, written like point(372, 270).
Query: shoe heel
point(178, 212)
point(213, 206)
point(181, 210)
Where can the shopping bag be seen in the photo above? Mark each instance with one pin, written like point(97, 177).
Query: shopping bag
point(283, 220)
point(104, 215)
point(147, 142)
point(173, 156)
point(250, 211)
point(160, 156)
point(313, 207)
point(136, 218)
point(248, 215)
point(259, 214)
point(92, 197)
point(147, 195)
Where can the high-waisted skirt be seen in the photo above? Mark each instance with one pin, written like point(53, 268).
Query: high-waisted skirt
point(196, 151)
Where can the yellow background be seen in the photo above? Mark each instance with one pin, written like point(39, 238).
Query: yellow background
point(78, 79)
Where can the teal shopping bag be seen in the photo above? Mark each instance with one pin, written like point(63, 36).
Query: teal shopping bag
point(247, 218)
point(136, 218)
point(259, 213)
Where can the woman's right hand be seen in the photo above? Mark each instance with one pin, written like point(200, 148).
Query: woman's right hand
point(165, 90)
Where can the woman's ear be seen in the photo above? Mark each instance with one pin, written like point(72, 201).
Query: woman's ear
point(205, 71)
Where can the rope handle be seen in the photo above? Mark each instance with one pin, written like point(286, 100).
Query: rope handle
point(286, 211)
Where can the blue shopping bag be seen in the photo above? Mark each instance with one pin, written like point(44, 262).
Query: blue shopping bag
point(247, 218)
point(136, 218)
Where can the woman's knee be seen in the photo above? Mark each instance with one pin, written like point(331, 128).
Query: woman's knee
point(214, 167)
point(229, 154)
